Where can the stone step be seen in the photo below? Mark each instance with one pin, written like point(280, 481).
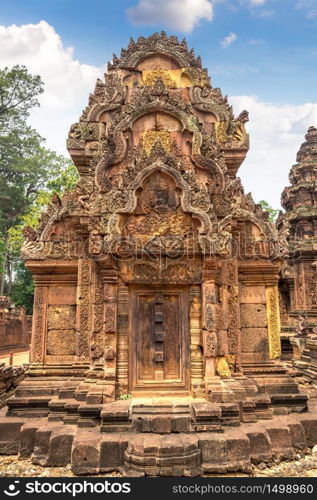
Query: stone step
point(92, 452)
point(31, 406)
point(160, 393)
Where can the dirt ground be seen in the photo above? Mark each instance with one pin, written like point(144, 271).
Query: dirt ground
point(306, 466)
point(19, 357)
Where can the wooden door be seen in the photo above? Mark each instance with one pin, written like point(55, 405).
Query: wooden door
point(159, 348)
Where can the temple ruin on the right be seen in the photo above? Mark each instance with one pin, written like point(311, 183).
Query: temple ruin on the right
point(298, 283)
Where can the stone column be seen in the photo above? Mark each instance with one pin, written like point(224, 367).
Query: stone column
point(97, 320)
point(110, 282)
point(196, 356)
point(234, 332)
point(123, 339)
point(83, 313)
point(39, 325)
point(273, 321)
point(259, 308)
point(209, 313)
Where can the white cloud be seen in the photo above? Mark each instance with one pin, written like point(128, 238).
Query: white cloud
point(228, 40)
point(309, 7)
point(252, 3)
point(276, 133)
point(67, 81)
point(180, 15)
point(256, 2)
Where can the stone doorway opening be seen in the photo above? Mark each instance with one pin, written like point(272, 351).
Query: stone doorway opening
point(159, 341)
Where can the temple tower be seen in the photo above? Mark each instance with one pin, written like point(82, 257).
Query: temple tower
point(156, 312)
point(298, 228)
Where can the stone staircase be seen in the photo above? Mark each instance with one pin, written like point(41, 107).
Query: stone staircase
point(77, 423)
point(92, 450)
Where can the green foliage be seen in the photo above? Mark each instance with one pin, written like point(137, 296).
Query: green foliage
point(29, 175)
point(273, 212)
point(23, 287)
point(124, 397)
point(65, 181)
point(18, 93)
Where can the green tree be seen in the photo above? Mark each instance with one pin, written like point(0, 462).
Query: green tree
point(273, 212)
point(29, 173)
point(18, 92)
point(22, 287)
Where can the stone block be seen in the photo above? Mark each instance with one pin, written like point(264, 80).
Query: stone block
point(255, 340)
point(309, 422)
point(253, 316)
point(213, 448)
point(62, 295)
point(28, 435)
point(86, 452)
point(161, 424)
point(61, 317)
point(252, 294)
point(297, 431)
point(281, 440)
point(60, 448)
point(181, 423)
point(42, 443)
point(238, 450)
point(10, 435)
point(112, 448)
point(61, 342)
point(260, 443)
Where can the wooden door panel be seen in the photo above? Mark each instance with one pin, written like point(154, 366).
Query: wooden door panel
point(144, 344)
point(159, 338)
point(172, 338)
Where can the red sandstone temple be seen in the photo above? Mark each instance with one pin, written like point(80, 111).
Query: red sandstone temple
point(156, 329)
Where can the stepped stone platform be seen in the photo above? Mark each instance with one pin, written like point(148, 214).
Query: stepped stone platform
point(156, 436)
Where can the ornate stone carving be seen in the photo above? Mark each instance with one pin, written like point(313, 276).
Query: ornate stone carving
point(156, 43)
point(40, 305)
point(110, 353)
point(210, 344)
point(150, 137)
point(151, 77)
point(159, 204)
point(273, 318)
point(110, 318)
point(61, 342)
point(83, 309)
point(157, 272)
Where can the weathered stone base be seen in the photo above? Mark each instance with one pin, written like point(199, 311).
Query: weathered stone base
point(230, 447)
point(75, 420)
point(10, 377)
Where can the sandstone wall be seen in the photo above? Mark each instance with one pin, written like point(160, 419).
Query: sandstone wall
point(10, 377)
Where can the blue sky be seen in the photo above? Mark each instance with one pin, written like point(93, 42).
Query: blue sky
point(274, 56)
point(262, 53)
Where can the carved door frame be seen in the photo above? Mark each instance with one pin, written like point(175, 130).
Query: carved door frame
point(184, 335)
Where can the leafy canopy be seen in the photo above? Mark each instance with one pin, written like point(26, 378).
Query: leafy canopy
point(273, 212)
point(18, 92)
point(29, 175)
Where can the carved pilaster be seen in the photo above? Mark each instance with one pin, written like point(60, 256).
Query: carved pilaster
point(234, 332)
point(122, 340)
point(39, 324)
point(196, 358)
point(273, 318)
point(209, 319)
point(85, 267)
point(97, 338)
point(110, 282)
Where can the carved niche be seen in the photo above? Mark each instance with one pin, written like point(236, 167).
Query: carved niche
point(158, 213)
